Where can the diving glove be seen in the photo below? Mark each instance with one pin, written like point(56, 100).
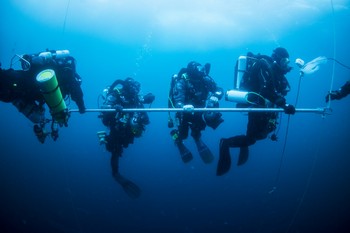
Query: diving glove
point(289, 109)
point(333, 95)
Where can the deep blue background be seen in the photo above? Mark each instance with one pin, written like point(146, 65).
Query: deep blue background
point(66, 186)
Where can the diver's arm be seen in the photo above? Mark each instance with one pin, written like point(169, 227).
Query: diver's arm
point(214, 97)
point(339, 94)
point(75, 82)
point(77, 93)
point(148, 98)
point(344, 90)
point(276, 96)
point(218, 93)
point(212, 87)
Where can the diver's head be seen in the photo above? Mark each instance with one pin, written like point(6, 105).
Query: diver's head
point(117, 86)
point(281, 59)
point(195, 70)
point(132, 87)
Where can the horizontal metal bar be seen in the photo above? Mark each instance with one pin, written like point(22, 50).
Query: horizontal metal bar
point(299, 110)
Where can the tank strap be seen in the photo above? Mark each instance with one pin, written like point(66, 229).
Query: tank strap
point(49, 92)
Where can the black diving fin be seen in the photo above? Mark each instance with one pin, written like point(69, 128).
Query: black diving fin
point(129, 187)
point(243, 155)
point(224, 163)
point(204, 152)
point(185, 153)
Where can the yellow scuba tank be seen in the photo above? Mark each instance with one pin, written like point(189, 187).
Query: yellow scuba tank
point(52, 93)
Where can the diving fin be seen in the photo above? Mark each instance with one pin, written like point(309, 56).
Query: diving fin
point(185, 153)
point(243, 155)
point(129, 187)
point(224, 163)
point(204, 151)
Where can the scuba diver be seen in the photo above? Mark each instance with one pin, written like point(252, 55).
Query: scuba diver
point(45, 78)
point(265, 76)
point(340, 93)
point(192, 88)
point(124, 127)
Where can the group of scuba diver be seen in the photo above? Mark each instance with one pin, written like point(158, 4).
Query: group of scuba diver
point(50, 78)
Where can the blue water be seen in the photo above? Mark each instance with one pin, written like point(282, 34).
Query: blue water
point(67, 186)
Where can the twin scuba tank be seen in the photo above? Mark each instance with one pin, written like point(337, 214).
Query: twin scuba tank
point(50, 55)
point(49, 86)
point(238, 95)
point(42, 58)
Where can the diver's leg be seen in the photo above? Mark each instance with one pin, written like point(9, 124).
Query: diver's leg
point(241, 141)
point(224, 164)
point(178, 136)
point(115, 162)
point(258, 129)
point(129, 187)
point(197, 126)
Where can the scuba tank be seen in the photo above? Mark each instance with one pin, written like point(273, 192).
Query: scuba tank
point(52, 94)
point(237, 95)
point(241, 96)
point(42, 58)
point(240, 70)
point(245, 97)
point(58, 54)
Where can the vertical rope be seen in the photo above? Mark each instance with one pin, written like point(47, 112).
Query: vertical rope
point(334, 54)
point(298, 92)
point(281, 159)
point(70, 194)
point(65, 21)
point(308, 182)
